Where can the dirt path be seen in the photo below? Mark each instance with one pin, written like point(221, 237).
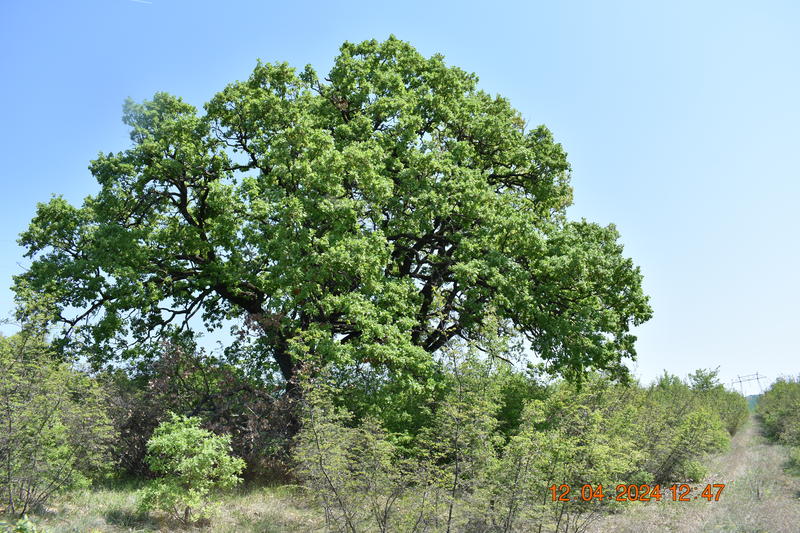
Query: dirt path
point(759, 496)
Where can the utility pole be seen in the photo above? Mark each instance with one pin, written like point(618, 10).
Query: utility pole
point(741, 380)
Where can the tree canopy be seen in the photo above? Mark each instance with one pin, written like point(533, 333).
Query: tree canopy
point(368, 217)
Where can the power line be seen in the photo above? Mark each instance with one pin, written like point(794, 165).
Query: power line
point(741, 380)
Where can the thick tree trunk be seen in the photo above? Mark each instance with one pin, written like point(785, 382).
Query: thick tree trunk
point(289, 371)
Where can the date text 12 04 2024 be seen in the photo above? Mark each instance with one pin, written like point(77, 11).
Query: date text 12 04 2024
point(638, 493)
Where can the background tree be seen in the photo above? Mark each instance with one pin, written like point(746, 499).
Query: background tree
point(189, 381)
point(730, 406)
point(360, 220)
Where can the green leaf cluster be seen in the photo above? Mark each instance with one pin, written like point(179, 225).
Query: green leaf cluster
point(193, 465)
point(22, 525)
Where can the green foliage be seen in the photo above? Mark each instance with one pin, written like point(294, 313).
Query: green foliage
point(794, 458)
point(682, 424)
point(731, 406)
point(55, 431)
point(779, 410)
point(193, 464)
point(704, 380)
point(352, 471)
point(22, 525)
point(471, 469)
point(574, 436)
point(359, 220)
point(699, 433)
point(694, 471)
point(462, 440)
point(186, 380)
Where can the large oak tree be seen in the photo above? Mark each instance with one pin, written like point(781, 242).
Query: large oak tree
point(371, 216)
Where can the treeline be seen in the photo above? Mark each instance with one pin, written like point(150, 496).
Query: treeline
point(779, 411)
point(497, 441)
point(479, 453)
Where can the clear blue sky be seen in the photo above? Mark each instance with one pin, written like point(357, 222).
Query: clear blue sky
point(680, 119)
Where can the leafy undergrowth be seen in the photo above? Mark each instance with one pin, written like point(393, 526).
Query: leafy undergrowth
point(114, 509)
point(761, 495)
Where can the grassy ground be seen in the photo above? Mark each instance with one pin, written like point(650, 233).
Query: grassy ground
point(113, 509)
point(760, 496)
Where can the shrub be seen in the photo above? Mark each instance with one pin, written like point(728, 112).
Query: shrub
point(731, 407)
point(694, 471)
point(577, 435)
point(683, 425)
point(185, 380)
point(363, 480)
point(779, 410)
point(194, 463)
point(55, 430)
point(351, 471)
point(496, 442)
point(23, 525)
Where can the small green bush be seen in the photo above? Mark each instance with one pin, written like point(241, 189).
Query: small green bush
point(23, 525)
point(194, 463)
point(694, 471)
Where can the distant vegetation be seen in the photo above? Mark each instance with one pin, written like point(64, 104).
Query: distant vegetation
point(752, 401)
point(779, 410)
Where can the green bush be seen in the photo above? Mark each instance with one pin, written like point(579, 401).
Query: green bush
point(23, 525)
point(364, 481)
point(464, 474)
point(55, 432)
point(351, 471)
point(682, 425)
point(731, 407)
point(779, 410)
point(194, 463)
point(694, 471)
